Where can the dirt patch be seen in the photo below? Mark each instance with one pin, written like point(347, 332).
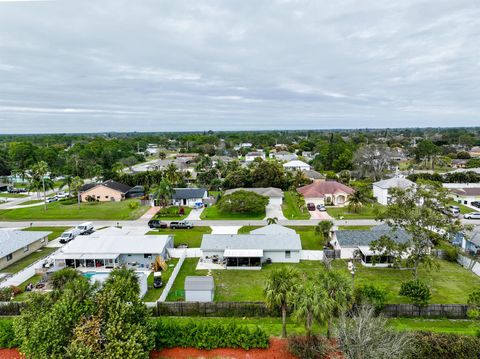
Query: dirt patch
point(277, 350)
point(10, 354)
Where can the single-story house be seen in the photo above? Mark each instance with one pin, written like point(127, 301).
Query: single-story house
point(283, 156)
point(296, 165)
point(3, 187)
point(469, 242)
point(381, 189)
point(199, 289)
point(113, 247)
point(324, 192)
point(314, 175)
point(273, 243)
point(242, 145)
point(353, 242)
point(459, 163)
point(189, 196)
point(251, 156)
point(474, 152)
point(15, 245)
point(109, 191)
point(275, 195)
point(466, 195)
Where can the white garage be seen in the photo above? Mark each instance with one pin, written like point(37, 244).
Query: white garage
point(199, 289)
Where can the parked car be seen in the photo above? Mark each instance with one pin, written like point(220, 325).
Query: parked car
point(69, 235)
point(181, 224)
point(51, 199)
point(476, 204)
point(472, 215)
point(311, 206)
point(453, 211)
point(62, 195)
point(157, 280)
point(321, 207)
point(85, 228)
point(156, 223)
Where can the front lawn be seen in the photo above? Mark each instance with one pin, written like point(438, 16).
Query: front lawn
point(463, 209)
point(293, 206)
point(191, 237)
point(467, 327)
point(69, 210)
point(172, 213)
point(13, 195)
point(212, 213)
point(33, 201)
point(56, 231)
point(153, 294)
point(177, 293)
point(368, 211)
point(28, 260)
point(24, 295)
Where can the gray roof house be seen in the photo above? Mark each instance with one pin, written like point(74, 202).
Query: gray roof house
point(469, 241)
point(199, 289)
point(273, 243)
point(15, 245)
point(381, 189)
point(189, 196)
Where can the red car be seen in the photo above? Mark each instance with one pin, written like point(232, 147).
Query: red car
point(311, 206)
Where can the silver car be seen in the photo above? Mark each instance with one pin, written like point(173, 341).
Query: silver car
point(472, 215)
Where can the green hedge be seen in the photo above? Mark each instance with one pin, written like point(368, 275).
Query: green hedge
point(7, 334)
point(427, 345)
point(207, 336)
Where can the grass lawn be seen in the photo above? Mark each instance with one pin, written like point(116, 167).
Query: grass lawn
point(463, 209)
point(13, 195)
point(435, 325)
point(87, 211)
point(171, 213)
point(153, 294)
point(56, 231)
point(310, 239)
point(366, 212)
point(177, 292)
point(33, 201)
point(212, 213)
point(293, 206)
point(23, 296)
point(191, 237)
point(31, 258)
point(449, 283)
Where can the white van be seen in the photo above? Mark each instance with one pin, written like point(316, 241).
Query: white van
point(85, 228)
point(69, 235)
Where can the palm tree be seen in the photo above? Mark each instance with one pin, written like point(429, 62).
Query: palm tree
point(162, 155)
point(339, 289)
point(311, 303)
point(356, 201)
point(324, 228)
point(171, 174)
point(67, 182)
point(163, 192)
point(40, 170)
point(279, 288)
point(77, 183)
point(273, 220)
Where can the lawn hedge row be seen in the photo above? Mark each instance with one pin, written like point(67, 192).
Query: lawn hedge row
point(207, 335)
point(426, 345)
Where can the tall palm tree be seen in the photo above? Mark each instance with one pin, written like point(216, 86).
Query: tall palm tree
point(356, 201)
point(77, 183)
point(67, 182)
point(325, 228)
point(273, 220)
point(163, 192)
point(311, 303)
point(279, 288)
point(172, 174)
point(40, 170)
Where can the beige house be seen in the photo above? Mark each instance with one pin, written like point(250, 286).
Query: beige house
point(15, 245)
point(326, 192)
point(104, 192)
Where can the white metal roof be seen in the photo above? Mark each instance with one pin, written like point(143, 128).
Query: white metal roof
point(243, 253)
point(13, 240)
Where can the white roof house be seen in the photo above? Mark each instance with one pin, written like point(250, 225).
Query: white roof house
point(13, 240)
point(381, 189)
point(296, 165)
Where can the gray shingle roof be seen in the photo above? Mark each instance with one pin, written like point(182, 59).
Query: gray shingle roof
point(474, 235)
point(197, 283)
point(11, 241)
point(187, 193)
point(355, 238)
point(396, 182)
point(263, 191)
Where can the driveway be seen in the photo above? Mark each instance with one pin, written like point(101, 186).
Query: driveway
point(320, 215)
point(225, 229)
point(194, 215)
point(274, 210)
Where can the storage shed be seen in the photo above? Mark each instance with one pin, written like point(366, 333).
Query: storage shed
point(199, 289)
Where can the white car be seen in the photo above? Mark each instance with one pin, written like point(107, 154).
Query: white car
point(51, 199)
point(472, 215)
point(62, 195)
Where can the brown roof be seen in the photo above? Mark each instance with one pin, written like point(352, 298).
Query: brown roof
point(322, 188)
point(467, 191)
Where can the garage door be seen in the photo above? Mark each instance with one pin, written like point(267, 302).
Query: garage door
point(275, 201)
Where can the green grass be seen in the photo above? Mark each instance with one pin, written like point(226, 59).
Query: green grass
point(293, 206)
point(87, 211)
point(28, 260)
point(171, 213)
point(354, 228)
point(23, 296)
point(467, 327)
point(212, 213)
point(56, 231)
point(366, 212)
point(33, 201)
point(188, 268)
point(191, 237)
point(153, 294)
point(310, 239)
point(13, 195)
point(463, 209)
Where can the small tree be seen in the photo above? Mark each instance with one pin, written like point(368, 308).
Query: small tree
point(273, 220)
point(279, 288)
point(163, 192)
point(242, 202)
point(325, 229)
point(417, 291)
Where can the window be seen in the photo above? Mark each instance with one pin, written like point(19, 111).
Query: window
point(147, 256)
point(106, 196)
point(9, 257)
point(25, 249)
point(288, 254)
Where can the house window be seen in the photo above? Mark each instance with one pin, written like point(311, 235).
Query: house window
point(147, 256)
point(9, 257)
point(25, 249)
point(106, 196)
point(288, 254)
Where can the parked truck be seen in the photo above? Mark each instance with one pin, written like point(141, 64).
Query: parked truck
point(69, 235)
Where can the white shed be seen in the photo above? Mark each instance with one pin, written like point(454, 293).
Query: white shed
point(199, 289)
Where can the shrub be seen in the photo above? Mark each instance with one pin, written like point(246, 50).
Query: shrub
point(426, 345)
point(417, 291)
point(242, 202)
point(207, 335)
point(313, 347)
point(370, 295)
point(6, 294)
point(7, 334)
point(450, 254)
point(133, 205)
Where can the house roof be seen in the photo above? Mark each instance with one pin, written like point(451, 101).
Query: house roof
point(355, 238)
point(395, 182)
point(314, 174)
point(322, 188)
point(261, 154)
point(188, 193)
point(296, 163)
point(198, 283)
point(263, 191)
point(12, 240)
point(116, 186)
point(474, 235)
point(274, 230)
point(467, 191)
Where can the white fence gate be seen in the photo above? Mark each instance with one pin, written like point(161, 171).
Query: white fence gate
point(171, 280)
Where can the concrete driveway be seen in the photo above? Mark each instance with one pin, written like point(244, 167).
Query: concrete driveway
point(274, 210)
point(320, 215)
point(194, 215)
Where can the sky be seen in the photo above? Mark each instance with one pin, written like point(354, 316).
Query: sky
point(154, 65)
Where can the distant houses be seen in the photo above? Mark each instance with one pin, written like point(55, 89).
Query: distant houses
point(296, 165)
point(251, 156)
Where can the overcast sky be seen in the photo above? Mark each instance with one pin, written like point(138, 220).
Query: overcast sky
point(152, 65)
